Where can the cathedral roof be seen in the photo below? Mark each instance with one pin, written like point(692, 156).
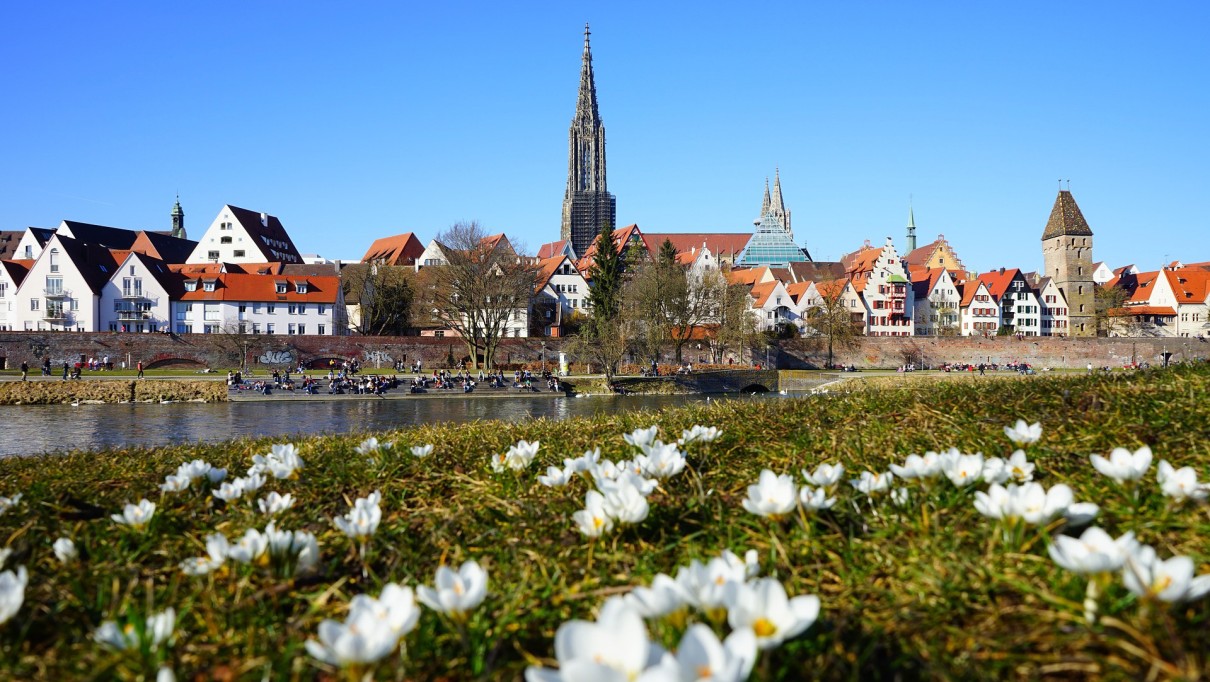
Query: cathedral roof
point(1066, 218)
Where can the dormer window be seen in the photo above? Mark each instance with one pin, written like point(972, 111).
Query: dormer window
point(208, 285)
point(190, 285)
point(281, 287)
point(300, 287)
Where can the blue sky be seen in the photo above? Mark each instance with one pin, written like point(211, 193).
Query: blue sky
point(359, 121)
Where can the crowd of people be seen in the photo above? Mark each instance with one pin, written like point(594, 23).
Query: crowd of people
point(347, 380)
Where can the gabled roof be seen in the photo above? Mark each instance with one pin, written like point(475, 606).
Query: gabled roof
point(816, 271)
point(861, 260)
point(924, 280)
point(621, 237)
point(400, 249)
point(263, 288)
point(8, 243)
point(1189, 285)
point(748, 276)
point(1142, 287)
point(305, 269)
point(969, 290)
point(1066, 218)
point(727, 244)
point(17, 269)
point(100, 235)
point(762, 292)
point(164, 247)
point(268, 234)
point(797, 290)
point(547, 268)
point(96, 264)
point(552, 249)
point(832, 287)
point(997, 281)
point(170, 281)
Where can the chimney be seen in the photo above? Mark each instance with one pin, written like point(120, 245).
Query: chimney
point(264, 219)
point(1001, 271)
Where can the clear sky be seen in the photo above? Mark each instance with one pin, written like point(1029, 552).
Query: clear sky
point(352, 121)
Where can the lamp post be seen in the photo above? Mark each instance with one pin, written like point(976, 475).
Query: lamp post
point(544, 357)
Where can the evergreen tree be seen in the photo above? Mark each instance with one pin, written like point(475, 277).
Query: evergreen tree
point(667, 253)
point(606, 274)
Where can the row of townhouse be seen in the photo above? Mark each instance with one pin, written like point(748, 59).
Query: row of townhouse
point(1173, 301)
point(83, 277)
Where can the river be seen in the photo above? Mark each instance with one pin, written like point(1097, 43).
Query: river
point(38, 429)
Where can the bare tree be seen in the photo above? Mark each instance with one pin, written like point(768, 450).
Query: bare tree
point(832, 320)
point(383, 294)
point(732, 322)
point(482, 290)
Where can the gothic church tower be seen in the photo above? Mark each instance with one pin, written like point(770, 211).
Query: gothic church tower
point(587, 203)
point(1067, 257)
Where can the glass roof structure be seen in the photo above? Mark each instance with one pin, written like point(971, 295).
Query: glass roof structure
point(771, 245)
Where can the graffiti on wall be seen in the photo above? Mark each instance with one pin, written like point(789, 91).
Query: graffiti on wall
point(277, 357)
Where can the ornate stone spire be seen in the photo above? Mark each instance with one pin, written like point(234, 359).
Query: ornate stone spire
point(587, 204)
point(765, 203)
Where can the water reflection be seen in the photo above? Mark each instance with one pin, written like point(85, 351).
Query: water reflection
point(35, 429)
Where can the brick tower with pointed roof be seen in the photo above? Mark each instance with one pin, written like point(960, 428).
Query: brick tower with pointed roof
point(587, 203)
point(1067, 258)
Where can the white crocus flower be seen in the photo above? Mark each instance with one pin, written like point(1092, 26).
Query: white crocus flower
point(1093, 552)
point(216, 555)
point(7, 503)
point(175, 483)
point(704, 584)
point(369, 446)
point(700, 656)
point(136, 515)
point(422, 451)
point(763, 606)
point(1081, 513)
point(1181, 484)
point(456, 593)
point(872, 484)
point(593, 521)
point(216, 475)
point(663, 597)
point(962, 470)
point(554, 478)
point(274, 503)
point(584, 464)
point(370, 632)
point(625, 502)
point(250, 483)
point(252, 548)
point(291, 551)
point(1040, 506)
point(1020, 469)
point(815, 499)
point(517, 458)
point(1124, 465)
point(604, 471)
point(65, 550)
point(772, 496)
point(230, 491)
point(165, 674)
point(640, 437)
point(995, 470)
point(918, 467)
point(12, 592)
point(157, 631)
point(361, 522)
point(1023, 433)
point(825, 475)
point(700, 434)
point(1171, 580)
point(615, 647)
point(664, 460)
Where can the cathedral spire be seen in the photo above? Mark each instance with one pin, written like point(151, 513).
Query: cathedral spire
point(587, 203)
point(766, 202)
point(911, 228)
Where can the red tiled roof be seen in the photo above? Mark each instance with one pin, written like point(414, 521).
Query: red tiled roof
point(796, 290)
point(263, 288)
point(400, 249)
point(969, 290)
point(552, 249)
point(546, 270)
point(833, 287)
point(17, 269)
point(621, 237)
point(861, 260)
point(720, 243)
point(1189, 285)
point(924, 280)
point(1134, 310)
point(748, 276)
point(761, 293)
point(997, 282)
point(1143, 287)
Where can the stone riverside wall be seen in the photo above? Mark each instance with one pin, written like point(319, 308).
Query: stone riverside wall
point(221, 352)
point(110, 391)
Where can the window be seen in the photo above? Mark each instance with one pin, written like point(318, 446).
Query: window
point(54, 260)
point(321, 330)
point(29, 252)
point(208, 286)
point(269, 328)
point(243, 328)
point(302, 329)
point(323, 310)
point(184, 328)
point(255, 328)
point(281, 287)
point(239, 253)
point(212, 255)
point(3, 289)
point(290, 329)
point(190, 285)
point(243, 308)
point(255, 308)
point(293, 309)
point(270, 308)
point(300, 287)
point(302, 308)
point(224, 240)
point(33, 304)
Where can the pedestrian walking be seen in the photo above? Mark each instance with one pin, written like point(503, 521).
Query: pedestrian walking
point(24, 371)
point(140, 365)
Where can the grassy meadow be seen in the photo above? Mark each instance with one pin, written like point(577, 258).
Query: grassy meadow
point(926, 589)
